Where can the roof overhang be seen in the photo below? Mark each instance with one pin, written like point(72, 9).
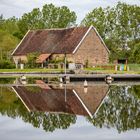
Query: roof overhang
point(42, 58)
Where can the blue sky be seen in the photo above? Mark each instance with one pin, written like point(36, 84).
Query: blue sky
point(16, 8)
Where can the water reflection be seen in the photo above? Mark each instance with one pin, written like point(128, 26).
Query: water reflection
point(12, 106)
point(120, 110)
point(56, 107)
point(72, 100)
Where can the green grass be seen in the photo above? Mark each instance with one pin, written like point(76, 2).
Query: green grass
point(87, 70)
point(133, 69)
point(31, 70)
point(111, 71)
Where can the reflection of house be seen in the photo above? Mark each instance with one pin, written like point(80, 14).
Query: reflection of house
point(93, 97)
point(50, 100)
point(81, 44)
point(72, 101)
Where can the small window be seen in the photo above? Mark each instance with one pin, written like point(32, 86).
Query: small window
point(79, 66)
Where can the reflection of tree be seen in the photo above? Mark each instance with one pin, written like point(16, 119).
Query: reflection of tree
point(6, 80)
point(136, 91)
point(120, 110)
point(11, 106)
point(52, 121)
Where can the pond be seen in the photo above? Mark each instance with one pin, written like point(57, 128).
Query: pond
point(36, 109)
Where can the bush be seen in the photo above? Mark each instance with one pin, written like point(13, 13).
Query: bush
point(32, 57)
point(6, 64)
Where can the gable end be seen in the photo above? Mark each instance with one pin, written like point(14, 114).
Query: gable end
point(90, 28)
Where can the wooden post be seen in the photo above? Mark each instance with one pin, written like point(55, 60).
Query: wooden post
point(65, 64)
point(65, 93)
point(16, 62)
point(116, 67)
point(42, 65)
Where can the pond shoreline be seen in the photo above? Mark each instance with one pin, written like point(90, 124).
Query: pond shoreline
point(75, 77)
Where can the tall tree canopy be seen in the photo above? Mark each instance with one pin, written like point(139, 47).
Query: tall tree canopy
point(8, 40)
point(118, 26)
point(49, 17)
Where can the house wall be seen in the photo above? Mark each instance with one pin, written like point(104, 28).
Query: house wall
point(91, 50)
point(94, 96)
point(58, 56)
point(20, 57)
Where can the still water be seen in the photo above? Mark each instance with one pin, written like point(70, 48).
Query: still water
point(35, 110)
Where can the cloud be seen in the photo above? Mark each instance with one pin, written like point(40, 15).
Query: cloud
point(16, 8)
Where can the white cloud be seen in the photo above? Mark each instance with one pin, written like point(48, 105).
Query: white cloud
point(16, 8)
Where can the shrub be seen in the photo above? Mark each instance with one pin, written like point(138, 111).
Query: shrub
point(32, 57)
point(6, 64)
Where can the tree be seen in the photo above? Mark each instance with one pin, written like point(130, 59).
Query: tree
point(1, 21)
point(32, 57)
point(118, 26)
point(136, 53)
point(8, 39)
point(49, 17)
point(7, 43)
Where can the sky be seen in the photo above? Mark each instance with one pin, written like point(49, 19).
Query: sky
point(16, 129)
point(17, 8)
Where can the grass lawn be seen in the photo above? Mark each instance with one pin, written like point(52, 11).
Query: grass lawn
point(112, 71)
point(31, 70)
point(133, 69)
point(87, 70)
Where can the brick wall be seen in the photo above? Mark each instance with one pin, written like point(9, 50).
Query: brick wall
point(20, 58)
point(92, 50)
point(94, 96)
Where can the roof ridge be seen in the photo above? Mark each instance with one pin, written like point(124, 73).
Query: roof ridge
point(49, 29)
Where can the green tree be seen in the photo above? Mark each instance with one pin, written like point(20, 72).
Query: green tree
point(32, 57)
point(136, 53)
point(49, 17)
point(118, 26)
point(1, 21)
point(7, 43)
point(32, 20)
point(8, 40)
point(10, 25)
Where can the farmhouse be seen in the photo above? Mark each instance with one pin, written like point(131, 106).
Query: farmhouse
point(80, 45)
